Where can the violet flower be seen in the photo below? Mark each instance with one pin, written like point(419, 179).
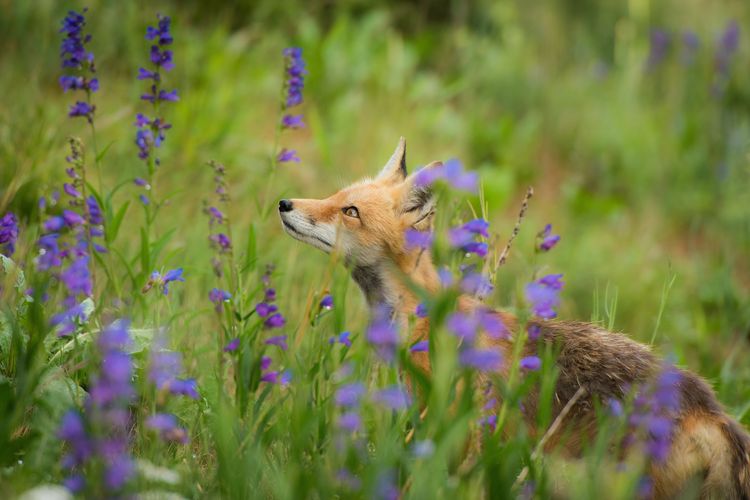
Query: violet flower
point(8, 234)
point(418, 239)
point(327, 302)
point(485, 360)
point(544, 295)
point(218, 297)
point(393, 397)
point(546, 240)
point(75, 56)
point(150, 133)
point(342, 338)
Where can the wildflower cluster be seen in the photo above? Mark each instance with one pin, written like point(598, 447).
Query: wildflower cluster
point(726, 48)
point(68, 240)
point(162, 281)
point(544, 295)
point(75, 56)
point(165, 368)
point(467, 327)
point(546, 241)
point(294, 82)
point(218, 222)
point(8, 234)
point(150, 134)
point(652, 419)
point(452, 173)
point(98, 458)
point(463, 237)
point(382, 333)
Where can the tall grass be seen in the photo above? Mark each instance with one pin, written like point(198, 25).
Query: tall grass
point(638, 159)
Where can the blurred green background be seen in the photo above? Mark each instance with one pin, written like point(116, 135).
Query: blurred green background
point(637, 147)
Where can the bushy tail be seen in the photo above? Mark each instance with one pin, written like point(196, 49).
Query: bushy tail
point(739, 442)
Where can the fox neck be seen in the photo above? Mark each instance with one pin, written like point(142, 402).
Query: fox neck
point(384, 283)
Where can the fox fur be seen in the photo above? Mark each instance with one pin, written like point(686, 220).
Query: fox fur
point(366, 223)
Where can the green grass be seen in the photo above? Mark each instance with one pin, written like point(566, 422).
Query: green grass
point(644, 174)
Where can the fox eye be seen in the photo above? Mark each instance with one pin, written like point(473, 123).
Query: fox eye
point(351, 212)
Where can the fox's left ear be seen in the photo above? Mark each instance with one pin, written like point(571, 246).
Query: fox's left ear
point(418, 201)
point(395, 170)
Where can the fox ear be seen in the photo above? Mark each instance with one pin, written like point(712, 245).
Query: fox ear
point(395, 169)
point(418, 205)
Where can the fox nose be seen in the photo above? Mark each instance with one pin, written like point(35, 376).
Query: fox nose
point(285, 206)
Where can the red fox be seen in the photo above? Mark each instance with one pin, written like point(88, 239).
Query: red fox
point(366, 222)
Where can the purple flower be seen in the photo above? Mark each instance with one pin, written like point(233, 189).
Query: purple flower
point(421, 310)
point(452, 172)
point(343, 338)
point(421, 346)
point(94, 211)
point(350, 422)
point(150, 132)
point(478, 226)
point(216, 216)
point(270, 294)
point(492, 324)
point(295, 82)
point(222, 241)
point(455, 176)
point(164, 281)
point(543, 295)
point(534, 332)
point(161, 32)
point(218, 297)
point(349, 395)
point(77, 278)
point(271, 377)
point(530, 363)
point(481, 359)
point(382, 333)
point(287, 155)
point(184, 387)
point(72, 218)
point(50, 255)
point(162, 59)
point(232, 345)
point(263, 309)
point(144, 199)
point(138, 181)
point(546, 240)
point(265, 363)
point(278, 340)
point(462, 325)
point(164, 366)
point(660, 42)
point(275, 321)
point(166, 425)
point(292, 121)
point(418, 239)
point(103, 430)
point(392, 397)
point(476, 247)
point(690, 45)
point(327, 302)
point(8, 234)
point(489, 421)
point(81, 108)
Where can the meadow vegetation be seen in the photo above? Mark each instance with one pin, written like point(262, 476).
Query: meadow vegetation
point(171, 339)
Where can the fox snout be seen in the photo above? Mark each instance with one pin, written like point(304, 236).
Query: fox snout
point(301, 225)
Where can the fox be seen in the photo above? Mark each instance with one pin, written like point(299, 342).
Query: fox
point(366, 223)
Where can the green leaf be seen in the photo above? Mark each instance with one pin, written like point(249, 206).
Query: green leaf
point(145, 254)
point(113, 228)
point(251, 250)
point(103, 151)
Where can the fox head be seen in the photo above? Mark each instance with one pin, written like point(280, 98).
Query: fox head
point(366, 221)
